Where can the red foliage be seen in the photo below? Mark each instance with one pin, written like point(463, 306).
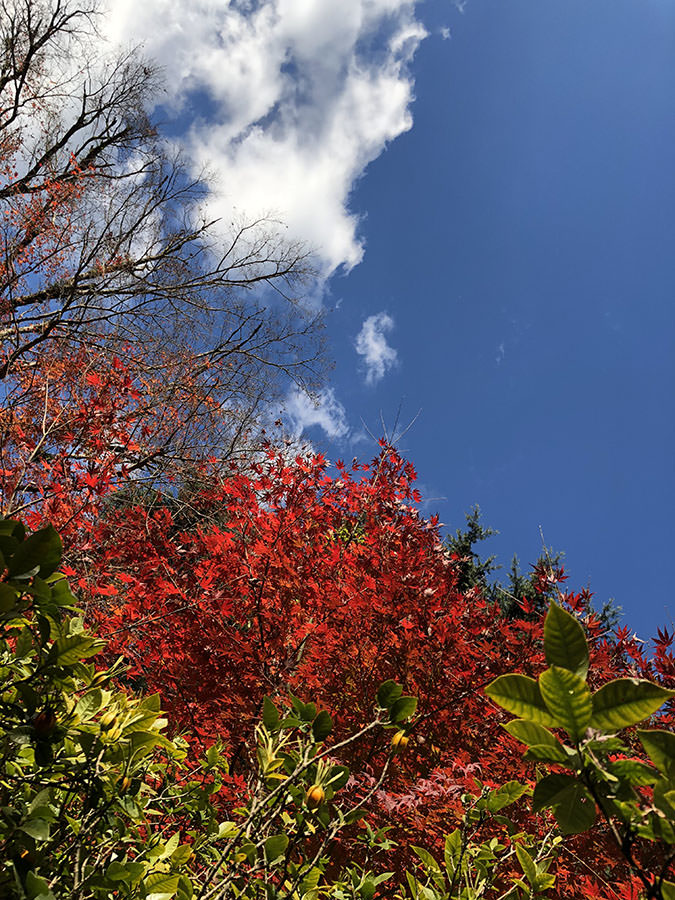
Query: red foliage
point(287, 577)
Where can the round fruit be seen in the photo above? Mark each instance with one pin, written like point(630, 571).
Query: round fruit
point(399, 742)
point(315, 796)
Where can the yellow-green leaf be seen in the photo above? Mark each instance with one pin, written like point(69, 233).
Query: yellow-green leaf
point(565, 642)
point(567, 697)
point(520, 695)
point(626, 701)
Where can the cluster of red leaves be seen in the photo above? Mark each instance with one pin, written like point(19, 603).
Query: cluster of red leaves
point(284, 576)
point(66, 427)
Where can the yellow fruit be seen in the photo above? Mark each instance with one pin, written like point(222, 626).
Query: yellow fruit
point(114, 733)
point(315, 796)
point(399, 742)
point(107, 720)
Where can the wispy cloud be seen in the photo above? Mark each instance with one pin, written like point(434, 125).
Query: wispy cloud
point(371, 343)
point(285, 102)
point(324, 410)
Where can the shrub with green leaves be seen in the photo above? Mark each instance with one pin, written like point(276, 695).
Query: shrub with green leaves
point(596, 773)
point(95, 800)
point(475, 866)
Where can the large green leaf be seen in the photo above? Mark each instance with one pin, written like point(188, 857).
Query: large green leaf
point(402, 709)
point(547, 753)
point(550, 789)
point(270, 714)
point(41, 550)
point(387, 693)
point(505, 795)
point(453, 851)
point(322, 726)
point(626, 701)
point(527, 864)
point(275, 846)
point(9, 597)
point(565, 642)
point(660, 746)
point(88, 705)
point(662, 799)
point(568, 699)
point(520, 695)
point(160, 886)
point(69, 650)
point(573, 806)
point(426, 857)
point(530, 732)
point(637, 773)
point(37, 828)
point(61, 593)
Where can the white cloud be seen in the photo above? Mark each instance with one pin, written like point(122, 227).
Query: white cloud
point(301, 96)
point(371, 344)
point(303, 411)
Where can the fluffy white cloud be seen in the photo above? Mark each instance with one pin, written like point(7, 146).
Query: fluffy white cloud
point(371, 343)
point(324, 410)
point(285, 102)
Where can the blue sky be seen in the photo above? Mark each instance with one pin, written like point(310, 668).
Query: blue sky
point(491, 191)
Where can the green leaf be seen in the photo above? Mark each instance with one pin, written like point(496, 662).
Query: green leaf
point(526, 864)
point(387, 693)
point(338, 778)
point(322, 726)
point(42, 550)
point(638, 773)
point(275, 846)
point(662, 789)
point(530, 733)
point(402, 709)
point(546, 753)
point(118, 871)
point(270, 714)
point(69, 650)
point(505, 795)
point(143, 738)
point(573, 806)
point(625, 702)
point(310, 880)
point(520, 695)
point(453, 851)
point(568, 698)
point(426, 857)
point(308, 712)
point(160, 886)
point(181, 855)
point(565, 642)
point(89, 705)
point(12, 528)
point(668, 890)
point(61, 593)
point(660, 747)
point(38, 887)
point(36, 828)
point(9, 597)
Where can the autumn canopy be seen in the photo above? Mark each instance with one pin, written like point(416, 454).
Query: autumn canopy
point(239, 576)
